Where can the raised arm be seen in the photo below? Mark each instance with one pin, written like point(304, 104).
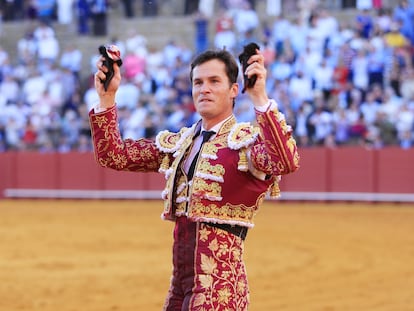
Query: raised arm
point(276, 152)
point(110, 149)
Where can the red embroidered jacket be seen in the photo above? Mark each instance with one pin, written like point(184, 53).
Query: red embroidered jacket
point(233, 174)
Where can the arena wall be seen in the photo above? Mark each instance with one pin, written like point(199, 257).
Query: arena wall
point(346, 174)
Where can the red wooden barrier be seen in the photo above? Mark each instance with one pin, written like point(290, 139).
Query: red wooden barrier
point(32, 169)
point(395, 171)
point(312, 174)
point(78, 171)
point(7, 171)
point(351, 170)
point(326, 171)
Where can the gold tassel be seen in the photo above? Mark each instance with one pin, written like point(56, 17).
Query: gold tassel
point(275, 190)
point(242, 165)
point(165, 163)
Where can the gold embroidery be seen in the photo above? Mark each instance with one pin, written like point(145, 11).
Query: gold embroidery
point(260, 200)
point(242, 135)
point(202, 188)
point(226, 127)
point(118, 159)
point(275, 190)
point(234, 213)
point(224, 295)
point(165, 163)
point(210, 151)
point(200, 299)
point(222, 282)
point(215, 170)
point(168, 140)
point(204, 233)
point(100, 120)
point(206, 281)
point(180, 208)
point(208, 264)
point(214, 245)
point(243, 164)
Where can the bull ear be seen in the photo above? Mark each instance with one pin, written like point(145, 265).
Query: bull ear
point(111, 54)
point(248, 50)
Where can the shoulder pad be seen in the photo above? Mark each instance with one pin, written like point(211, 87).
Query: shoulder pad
point(242, 135)
point(169, 142)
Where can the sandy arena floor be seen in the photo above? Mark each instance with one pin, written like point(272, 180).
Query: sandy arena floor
point(115, 255)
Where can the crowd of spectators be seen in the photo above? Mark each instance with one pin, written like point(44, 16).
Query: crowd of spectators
point(338, 82)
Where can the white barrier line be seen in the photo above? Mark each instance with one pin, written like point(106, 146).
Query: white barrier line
point(347, 196)
point(156, 194)
point(82, 194)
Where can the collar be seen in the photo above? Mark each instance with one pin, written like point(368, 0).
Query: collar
point(217, 127)
point(220, 128)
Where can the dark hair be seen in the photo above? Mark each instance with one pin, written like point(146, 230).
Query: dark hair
point(232, 68)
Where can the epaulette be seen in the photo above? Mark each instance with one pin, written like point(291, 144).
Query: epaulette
point(242, 135)
point(169, 142)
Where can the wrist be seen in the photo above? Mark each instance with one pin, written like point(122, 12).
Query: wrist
point(106, 101)
point(271, 104)
point(260, 100)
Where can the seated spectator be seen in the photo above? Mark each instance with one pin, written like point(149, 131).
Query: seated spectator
point(33, 87)
point(300, 89)
point(71, 59)
point(358, 131)
point(340, 77)
point(301, 126)
point(359, 68)
point(29, 137)
point(225, 36)
point(386, 129)
point(27, 48)
point(245, 19)
point(407, 84)
point(323, 79)
point(45, 10)
point(406, 140)
point(390, 105)
point(322, 122)
point(369, 108)
point(341, 126)
point(394, 38)
point(128, 94)
point(281, 69)
point(405, 120)
point(133, 65)
point(404, 15)
point(383, 20)
point(9, 89)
